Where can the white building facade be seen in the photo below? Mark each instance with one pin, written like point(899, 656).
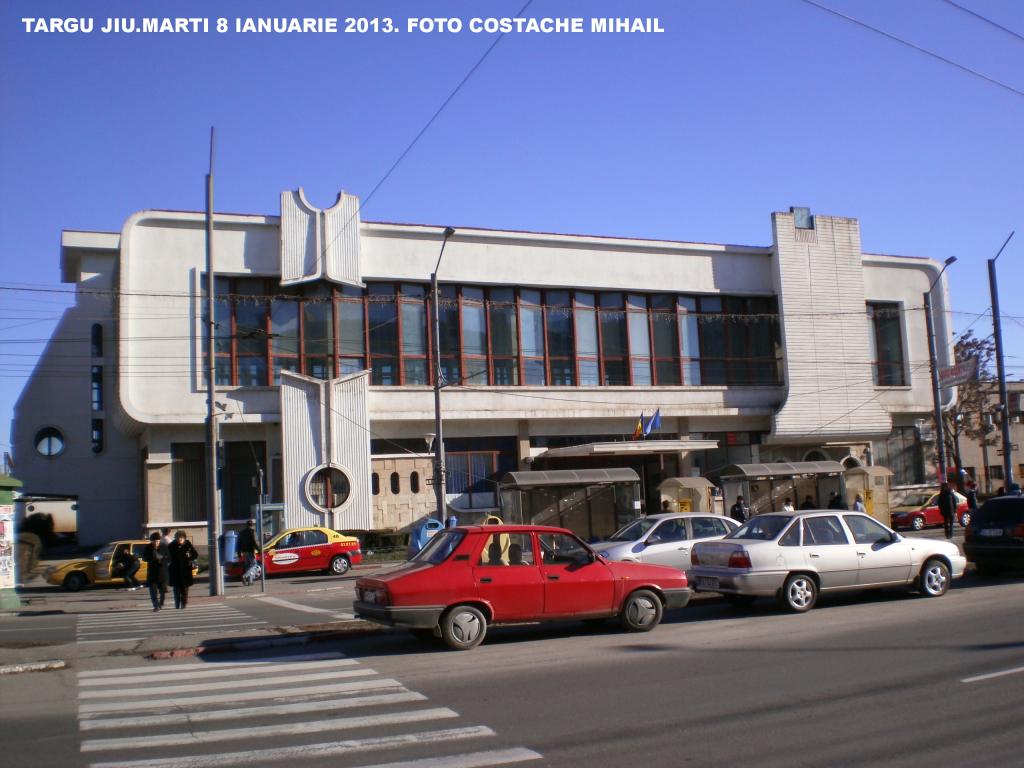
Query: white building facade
point(806, 348)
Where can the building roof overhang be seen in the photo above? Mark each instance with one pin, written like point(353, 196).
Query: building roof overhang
point(539, 479)
point(631, 448)
point(74, 244)
point(782, 469)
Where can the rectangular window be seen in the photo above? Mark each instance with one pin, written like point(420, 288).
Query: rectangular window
point(474, 336)
point(531, 324)
point(558, 316)
point(382, 315)
point(639, 341)
point(350, 313)
point(250, 335)
point(504, 334)
point(712, 341)
point(665, 332)
point(585, 318)
point(449, 334)
point(887, 344)
point(614, 346)
point(284, 336)
point(96, 387)
point(689, 340)
point(223, 331)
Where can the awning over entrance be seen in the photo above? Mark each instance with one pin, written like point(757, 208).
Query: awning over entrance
point(631, 448)
point(568, 477)
point(782, 469)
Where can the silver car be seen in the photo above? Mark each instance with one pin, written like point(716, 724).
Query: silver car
point(796, 555)
point(664, 539)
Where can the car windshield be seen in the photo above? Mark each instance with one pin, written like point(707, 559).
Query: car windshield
point(761, 528)
point(1000, 512)
point(915, 500)
point(439, 547)
point(634, 531)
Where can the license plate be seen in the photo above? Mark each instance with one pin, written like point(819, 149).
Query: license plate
point(990, 532)
point(707, 582)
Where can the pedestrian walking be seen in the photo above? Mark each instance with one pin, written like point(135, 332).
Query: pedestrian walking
point(157, 570)
point(128, 565)
point(858, 504)
point(248, 547)
point(182, 556)
point(787, 505)
point(739, 511)
point(947, 508)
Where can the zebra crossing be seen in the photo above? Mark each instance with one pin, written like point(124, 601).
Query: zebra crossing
point(143, 622)
point(311, 707)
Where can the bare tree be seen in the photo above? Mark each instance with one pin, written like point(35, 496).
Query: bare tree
point(968, 417)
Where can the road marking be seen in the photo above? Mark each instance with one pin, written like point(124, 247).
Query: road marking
point(328, 705)
point(38, 629)
point(303, 608)
point(468, 760)
point(158, 675)
point(197, 623)
point(199, 666)
point(263, 682)
point(990, 675)
point(234, 696)
point(160, 617)
point(306, 751)
point(264, 731)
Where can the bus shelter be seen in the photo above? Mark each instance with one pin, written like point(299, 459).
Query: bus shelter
point(593, 503)
point(765, 487)
point(690, 494)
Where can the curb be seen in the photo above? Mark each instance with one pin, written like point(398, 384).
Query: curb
point(32, 666)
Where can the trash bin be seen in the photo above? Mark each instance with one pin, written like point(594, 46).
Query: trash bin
point(422, 533)
point(228, 547)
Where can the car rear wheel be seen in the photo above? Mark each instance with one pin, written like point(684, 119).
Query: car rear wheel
point(463, 627)
point(641, 612)
point(934, 578)
point(340, 565)
point(917, 523)
point(799, 593)
point(75, 581)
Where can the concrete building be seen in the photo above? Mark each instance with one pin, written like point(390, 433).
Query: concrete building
point(552, 346)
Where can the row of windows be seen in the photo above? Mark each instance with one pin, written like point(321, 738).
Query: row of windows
point(396, 483)
point(492, 336)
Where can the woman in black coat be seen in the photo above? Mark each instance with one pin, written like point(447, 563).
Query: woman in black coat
point(182, 556)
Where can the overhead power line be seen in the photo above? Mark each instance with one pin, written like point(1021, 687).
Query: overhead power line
point(918, 48)
point(987, 20)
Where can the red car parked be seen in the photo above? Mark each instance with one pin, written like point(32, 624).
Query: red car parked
point(468, 578)
point(920, 510)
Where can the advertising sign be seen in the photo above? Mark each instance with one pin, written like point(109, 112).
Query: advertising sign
point(961, 373)
point(7, 546)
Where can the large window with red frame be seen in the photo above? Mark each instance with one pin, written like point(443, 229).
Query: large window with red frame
point(499, 336)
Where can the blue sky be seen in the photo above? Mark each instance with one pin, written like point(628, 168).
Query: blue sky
point(739, 109)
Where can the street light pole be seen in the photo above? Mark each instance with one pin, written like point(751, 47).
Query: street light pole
point(940, 432)
point(212, 438)
point(439, 468)
point(1004, 401)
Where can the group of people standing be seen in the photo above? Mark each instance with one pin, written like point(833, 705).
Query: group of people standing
point(740, 512)
point(169, 562)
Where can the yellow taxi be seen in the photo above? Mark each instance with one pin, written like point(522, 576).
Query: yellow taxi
point(98, 569)
point(304, 549)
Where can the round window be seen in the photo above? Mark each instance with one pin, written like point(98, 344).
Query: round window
point(49, 441)
point(328, 488)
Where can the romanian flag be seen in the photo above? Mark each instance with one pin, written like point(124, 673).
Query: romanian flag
point(638, 430)
point(654, 423)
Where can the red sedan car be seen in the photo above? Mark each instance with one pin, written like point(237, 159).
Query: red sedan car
point(468, 578)
point(920, 510)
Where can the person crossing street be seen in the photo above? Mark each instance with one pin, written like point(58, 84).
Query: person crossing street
point(248, 548)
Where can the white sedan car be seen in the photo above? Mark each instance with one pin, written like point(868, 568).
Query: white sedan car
point(797, 555)
point(664, 539)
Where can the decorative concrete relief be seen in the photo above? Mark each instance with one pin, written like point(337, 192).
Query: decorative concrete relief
point(325, 425)
point(320, 243)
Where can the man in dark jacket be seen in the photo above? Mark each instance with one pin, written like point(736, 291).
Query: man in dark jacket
point(247, 549)
point(947, 508)
point(739, 511)
point(157, 570)
point(128, 566)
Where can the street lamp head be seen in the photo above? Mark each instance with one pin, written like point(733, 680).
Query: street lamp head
point(950, 260)
point(429, 438)
point(448, 232)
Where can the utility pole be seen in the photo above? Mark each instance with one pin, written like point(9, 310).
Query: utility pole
point(940, 432)
point(1004, 401)
point(212, 438)
point(439, 468)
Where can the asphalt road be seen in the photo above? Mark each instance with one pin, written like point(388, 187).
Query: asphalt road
point(883, 679)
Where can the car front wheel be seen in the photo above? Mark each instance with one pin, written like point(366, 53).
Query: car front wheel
point(934, 578)
point(463, 627)
point(75, 581)
point(917, 523)
point(799, 593)
point(340, 565)
point(641, 612)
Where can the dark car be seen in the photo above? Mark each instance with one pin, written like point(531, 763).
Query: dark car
point(995, 538)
